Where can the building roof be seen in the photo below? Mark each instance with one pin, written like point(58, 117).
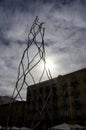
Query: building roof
point(6, 100)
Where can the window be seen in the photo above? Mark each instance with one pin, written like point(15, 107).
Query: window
point(85, 90)
point(78, 112)
point(74, 82)
point(54, 97)
point(55, 106)
point(65, 104)
point(75, 93)
point(41, 90)
point(47, 89)
point(85, 77)
point(65, 94)
point(40, 102)
point(29, 94)
point(77, 104)
point(66, 113)
point(54, 89)
point(54, 84)
point(64, 85)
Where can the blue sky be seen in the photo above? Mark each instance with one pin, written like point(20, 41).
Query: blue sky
point(65, 36)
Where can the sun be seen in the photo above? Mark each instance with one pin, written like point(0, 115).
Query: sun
point(49, 64)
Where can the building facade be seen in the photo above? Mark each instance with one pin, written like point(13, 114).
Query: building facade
point(61, 99)
point(49, 103)
point(6, 100)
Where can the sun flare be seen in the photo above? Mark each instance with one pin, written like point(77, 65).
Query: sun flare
point(49, 64)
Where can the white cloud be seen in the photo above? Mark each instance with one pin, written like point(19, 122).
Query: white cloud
point(65, 38)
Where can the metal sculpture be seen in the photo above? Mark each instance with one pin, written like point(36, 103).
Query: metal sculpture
point(35, 38)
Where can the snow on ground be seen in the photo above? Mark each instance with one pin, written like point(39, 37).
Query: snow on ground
point(15, 128)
